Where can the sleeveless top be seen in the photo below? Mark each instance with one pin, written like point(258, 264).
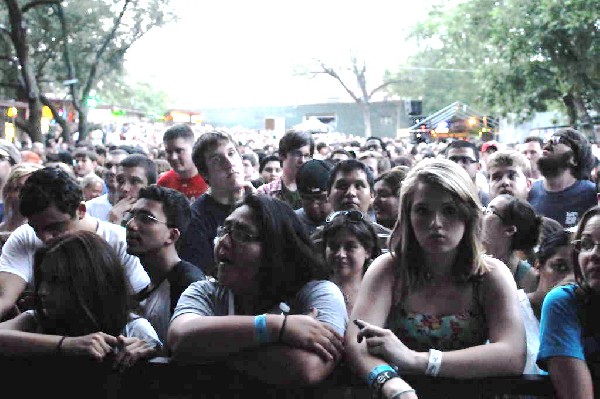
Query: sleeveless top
point(422, 332)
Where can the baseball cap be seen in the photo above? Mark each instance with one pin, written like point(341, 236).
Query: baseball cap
point(9, 151)
point(312, 177)
point(490, 144)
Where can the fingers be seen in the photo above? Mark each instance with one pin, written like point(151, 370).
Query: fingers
point(322, 352)
point(369, 331)
point(314, 312)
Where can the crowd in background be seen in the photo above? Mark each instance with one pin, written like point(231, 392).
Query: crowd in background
point(454, 258)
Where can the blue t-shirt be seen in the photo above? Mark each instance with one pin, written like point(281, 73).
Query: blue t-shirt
point(567, 206)
point(561, 332)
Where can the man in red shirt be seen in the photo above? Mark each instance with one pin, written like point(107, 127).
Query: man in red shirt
point(183, 176)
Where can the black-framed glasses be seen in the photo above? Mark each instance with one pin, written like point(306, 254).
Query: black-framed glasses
point(492, 211)
point(352, 216)
point(299, 154)
point(238, 235)
point(462, 159)
point(585, 244)
point(141, 217)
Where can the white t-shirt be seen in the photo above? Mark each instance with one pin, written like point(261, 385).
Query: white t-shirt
point(17, 254)
point(98, 207)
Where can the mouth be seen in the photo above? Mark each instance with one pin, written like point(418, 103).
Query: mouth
point(436, 236)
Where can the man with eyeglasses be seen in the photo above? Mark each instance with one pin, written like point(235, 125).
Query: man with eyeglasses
point(312, 180)
point(100, 206)
point(53, 203)
point(218, 160)
point(466, 155)
point(565, 192)
point(154, 225)
point(295, 148)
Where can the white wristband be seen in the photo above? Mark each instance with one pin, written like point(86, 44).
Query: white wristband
point(435, 362)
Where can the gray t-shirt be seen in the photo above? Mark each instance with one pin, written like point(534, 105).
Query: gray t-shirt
point(208, 298)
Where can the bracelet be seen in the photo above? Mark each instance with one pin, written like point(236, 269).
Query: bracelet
point(376, 371)
point(261, 334)
point(380, 380)
point(280, 337)
point(400, 393)
point(59, 346)
point(435, 362)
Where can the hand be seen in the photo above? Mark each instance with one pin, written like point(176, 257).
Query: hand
point(131, 350)
point(116, 213)
point(306, 332)
point(248, 188)
point(385, 344)
point(395, 385)
point(96, 345)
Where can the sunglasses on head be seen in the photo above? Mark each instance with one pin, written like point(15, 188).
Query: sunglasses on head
point(352, 216)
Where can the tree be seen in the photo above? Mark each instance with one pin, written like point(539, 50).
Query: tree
point(358, 91)
point(526, 56)
point(78, 43)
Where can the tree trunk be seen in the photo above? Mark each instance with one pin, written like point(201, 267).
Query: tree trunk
point(586, 124)
point(82, 123)
point(366, 110)
point(571, 112)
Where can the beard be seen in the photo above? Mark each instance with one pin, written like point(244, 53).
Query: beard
point(552, 165)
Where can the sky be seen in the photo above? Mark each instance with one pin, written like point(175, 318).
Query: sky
point(239, 53)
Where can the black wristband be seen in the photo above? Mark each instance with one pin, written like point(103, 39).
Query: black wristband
point(280, 337)
point(59, 346)
point(381, 379)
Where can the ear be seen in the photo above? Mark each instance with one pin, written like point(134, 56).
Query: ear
point(511, 230)
point(529, 183)
point(174, 235)
point(81, 210)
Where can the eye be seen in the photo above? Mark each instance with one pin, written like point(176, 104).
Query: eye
point(421, 210)
point(449, 210)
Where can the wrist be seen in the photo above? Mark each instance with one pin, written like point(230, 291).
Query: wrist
point(274, 322)
point(420, 361)
point(393, 386)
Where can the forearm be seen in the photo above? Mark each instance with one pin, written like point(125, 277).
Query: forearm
point(495, 359)
point(19, 343)
point(212, 337)
point(282, 364)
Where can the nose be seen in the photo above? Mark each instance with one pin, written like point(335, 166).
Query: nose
point(437, 219)
point(351, 191)
point(341, 253)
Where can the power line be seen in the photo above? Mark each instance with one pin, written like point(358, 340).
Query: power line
point(436, 69)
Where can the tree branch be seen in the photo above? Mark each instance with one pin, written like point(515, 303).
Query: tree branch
point(331, 72)
point(33, 4)
point(384, 85)
point(117, 21)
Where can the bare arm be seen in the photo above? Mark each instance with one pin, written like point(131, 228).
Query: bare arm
point(570, 377)
point(11, 287)
point(373, 305)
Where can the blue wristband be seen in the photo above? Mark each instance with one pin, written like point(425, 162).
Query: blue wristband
point(261, 334)
point(376, 371)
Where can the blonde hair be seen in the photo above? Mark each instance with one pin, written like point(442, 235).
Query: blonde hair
point(17, 172)
point(403, 243)
point(509, 158)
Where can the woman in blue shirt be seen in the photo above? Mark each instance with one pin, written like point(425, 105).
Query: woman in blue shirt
point(570, 328)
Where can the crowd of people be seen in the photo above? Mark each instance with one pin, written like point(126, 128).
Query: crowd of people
point(283, 262)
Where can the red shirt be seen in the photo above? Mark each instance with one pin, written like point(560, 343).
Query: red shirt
point(191, 188)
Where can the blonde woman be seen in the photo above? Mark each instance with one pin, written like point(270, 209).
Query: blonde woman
point(10, 196)
point(430, 305)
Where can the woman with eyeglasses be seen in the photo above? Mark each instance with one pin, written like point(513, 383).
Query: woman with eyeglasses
point(271, 304)
point(570, 327)
point(511, 230)
point(350, 244)
point(81, 308)
point(433, 303)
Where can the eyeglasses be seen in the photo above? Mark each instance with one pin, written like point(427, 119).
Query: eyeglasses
point(141, 217)
point(492, 211)
point(462, 159)
point(110, 165)
point(299, 154)
point(352, 216)
point(320, 197)
point(586, 244)
point(238, 235)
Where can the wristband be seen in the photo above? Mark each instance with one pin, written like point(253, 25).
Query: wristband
point(261, 334)
point(380, 380)
point(435, 362)
point(59, 346)
point(280, 338)
point(376, 371)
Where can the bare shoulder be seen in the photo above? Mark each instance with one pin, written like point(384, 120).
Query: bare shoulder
point(498, 275)
point(382, 268)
